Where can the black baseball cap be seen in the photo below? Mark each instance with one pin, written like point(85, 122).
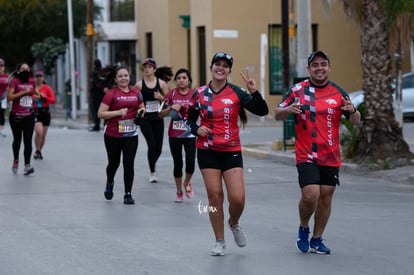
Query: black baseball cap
point(225, 56)
point(318, 53)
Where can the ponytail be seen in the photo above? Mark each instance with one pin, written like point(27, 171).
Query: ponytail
point(165, 73)
point(106, 76)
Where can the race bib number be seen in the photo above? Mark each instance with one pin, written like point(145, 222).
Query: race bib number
point(152, 106)
point(179, 125)
point(126, 126)
point(26, 101)
point(4, 103)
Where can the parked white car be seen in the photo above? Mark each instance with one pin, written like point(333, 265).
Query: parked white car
point(357, 97)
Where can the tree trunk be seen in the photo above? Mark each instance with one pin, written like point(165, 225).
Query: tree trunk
point(380, 136)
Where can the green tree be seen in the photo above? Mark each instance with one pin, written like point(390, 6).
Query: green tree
point(380, 136)
point(25, 22)
point(48, 51)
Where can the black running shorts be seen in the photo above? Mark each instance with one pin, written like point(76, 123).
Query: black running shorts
point(43, 115)
point(310, 173)
point(221, 160)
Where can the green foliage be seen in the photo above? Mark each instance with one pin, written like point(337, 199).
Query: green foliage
point(394, 8)
point(386, 164)
point(25, 22)
point(349, 138)
point(48, 51)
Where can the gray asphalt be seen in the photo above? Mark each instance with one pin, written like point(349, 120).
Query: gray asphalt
point(57, 221)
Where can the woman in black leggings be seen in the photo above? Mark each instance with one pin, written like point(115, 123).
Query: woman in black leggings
point(21, 90)
point(119, 108)
point(153, 88)
point(177, 101)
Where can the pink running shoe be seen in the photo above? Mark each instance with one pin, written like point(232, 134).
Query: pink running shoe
point(189, 193)
point(179, 197)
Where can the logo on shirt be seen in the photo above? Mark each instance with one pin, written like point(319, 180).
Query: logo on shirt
point(226, 123)
point(331, 101)
point(227, 101)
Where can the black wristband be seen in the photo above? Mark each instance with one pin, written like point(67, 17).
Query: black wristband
point(355, 110)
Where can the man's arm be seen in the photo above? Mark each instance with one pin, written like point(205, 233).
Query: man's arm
point(354, 114)
point(354, 117)
point(283, 113)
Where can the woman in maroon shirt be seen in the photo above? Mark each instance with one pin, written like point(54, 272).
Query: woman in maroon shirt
point(4, 81)
point(21, 118)
point(119, 108)
point(177, 101)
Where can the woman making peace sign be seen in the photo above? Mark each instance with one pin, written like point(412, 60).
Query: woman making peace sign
point(219, 104)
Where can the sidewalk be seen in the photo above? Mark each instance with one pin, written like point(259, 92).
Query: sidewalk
point(60, 120)
point(263, 150)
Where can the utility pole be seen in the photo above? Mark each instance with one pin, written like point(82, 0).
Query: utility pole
point(304, 37)
point(285, 45)
point(72, 59)
point(90, 34)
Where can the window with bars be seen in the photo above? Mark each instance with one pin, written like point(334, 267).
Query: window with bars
point(122, 10)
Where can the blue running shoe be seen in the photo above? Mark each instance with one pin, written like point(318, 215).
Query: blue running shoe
point(302, 244)
point(318, 246)
point(109, 190)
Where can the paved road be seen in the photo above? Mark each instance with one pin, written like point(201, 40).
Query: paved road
point(58, 222)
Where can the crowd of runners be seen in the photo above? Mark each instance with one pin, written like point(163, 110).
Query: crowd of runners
point(204, 124)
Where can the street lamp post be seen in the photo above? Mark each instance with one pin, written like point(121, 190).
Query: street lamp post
point(90, 33)
point(72, 59)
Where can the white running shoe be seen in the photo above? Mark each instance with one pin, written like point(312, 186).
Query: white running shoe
point(239, 235)
point(218, 249)
point(153, 178)
point(28, 170)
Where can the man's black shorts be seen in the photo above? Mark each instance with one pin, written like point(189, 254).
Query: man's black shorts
point(310, 173)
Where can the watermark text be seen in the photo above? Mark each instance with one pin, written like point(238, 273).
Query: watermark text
point(206, 208)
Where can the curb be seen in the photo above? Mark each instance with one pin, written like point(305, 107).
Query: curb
point(70, 124)
point(288, 158)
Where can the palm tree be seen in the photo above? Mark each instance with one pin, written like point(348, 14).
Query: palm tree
point(380, 135)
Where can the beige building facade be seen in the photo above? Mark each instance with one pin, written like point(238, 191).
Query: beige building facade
point(187, 33)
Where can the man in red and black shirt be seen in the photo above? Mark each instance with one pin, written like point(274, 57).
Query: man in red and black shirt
point(318, 105)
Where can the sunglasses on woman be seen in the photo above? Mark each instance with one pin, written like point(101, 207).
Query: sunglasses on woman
point(222, 55)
